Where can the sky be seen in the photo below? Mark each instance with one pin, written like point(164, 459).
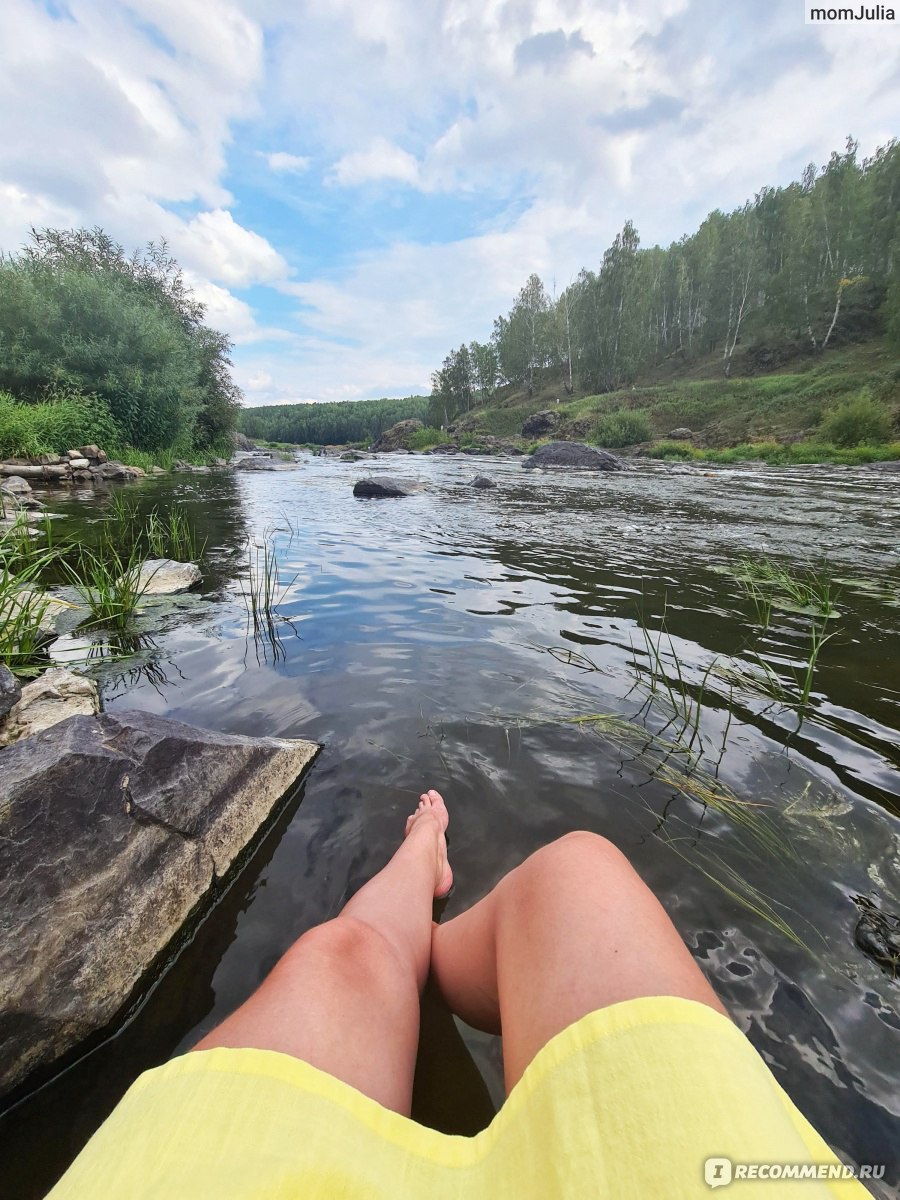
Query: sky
point(355, 187)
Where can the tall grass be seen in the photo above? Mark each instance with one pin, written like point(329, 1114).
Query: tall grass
point(262, 592)
point(109, 584)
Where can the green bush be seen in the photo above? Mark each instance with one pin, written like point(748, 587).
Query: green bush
point(424, 439)
point(63, 421)
point(622, 429)
point(666, 449)
point(861, 421)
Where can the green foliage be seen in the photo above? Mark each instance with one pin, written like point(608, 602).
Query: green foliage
point(335, 424)
point(425, 438)
point(62, 421)
point(622, 429)
point(77, 314)
point(797, 454)
point(858, 422)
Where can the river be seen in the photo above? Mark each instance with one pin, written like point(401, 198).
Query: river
point(458, 638)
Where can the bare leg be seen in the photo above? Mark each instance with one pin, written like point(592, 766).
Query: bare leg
point(345, 996)
point(571, 930)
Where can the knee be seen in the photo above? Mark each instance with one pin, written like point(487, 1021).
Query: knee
point(569, 858)
point(350, 950)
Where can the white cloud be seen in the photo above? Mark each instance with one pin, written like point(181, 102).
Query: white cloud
point(214, 243)
point(381, 160)
point(293, 164)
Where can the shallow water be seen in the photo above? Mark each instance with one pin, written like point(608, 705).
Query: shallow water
point(449, 639)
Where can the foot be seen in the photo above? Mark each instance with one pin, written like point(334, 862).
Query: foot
point(432, 810)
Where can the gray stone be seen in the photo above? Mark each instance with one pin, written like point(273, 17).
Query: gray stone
point(10, 689)
point(201, 470)
point(79, 464)
point(165, 577)
point(157, 471)
point(16, 485)
point(395, 437)
point(116, 472)
point(482, 481)
point(353, 456)
point(116, 830)
point(54, 697)
point(540, 423)
point(383, 487)
point(255, 462)
point(682, 434)
point(219, 462)
point(574, 454)
point(444, 448)
point(90, 451)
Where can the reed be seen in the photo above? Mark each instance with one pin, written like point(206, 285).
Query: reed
point(109, 584)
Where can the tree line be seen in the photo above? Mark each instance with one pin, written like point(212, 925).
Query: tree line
point(82, 321)
point(798, 268)
point(336, 423)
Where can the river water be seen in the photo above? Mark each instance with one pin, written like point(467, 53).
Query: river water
point(457, 639)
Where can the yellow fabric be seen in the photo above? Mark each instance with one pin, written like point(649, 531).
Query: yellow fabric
point(626, 1103)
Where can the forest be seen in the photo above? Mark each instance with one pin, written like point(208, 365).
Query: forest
point(98, 345)
point(795, 270)
point(337, 423)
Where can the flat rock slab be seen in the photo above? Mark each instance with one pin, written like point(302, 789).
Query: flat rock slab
point(383, 487)
point(574, 454)
point(48, 700)
point(113, 830)
point(165, 577)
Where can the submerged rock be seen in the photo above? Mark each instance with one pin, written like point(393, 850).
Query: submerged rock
point(54, 697)
point(16, 485)
point(10, 689)
point(878, 935)
point(115, 828)
point(574, 454)
point(383, 487)
point(482, 481)
point(353, 456)
point(165, 577)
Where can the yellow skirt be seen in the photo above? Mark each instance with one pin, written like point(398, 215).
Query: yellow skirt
point(631, 1101)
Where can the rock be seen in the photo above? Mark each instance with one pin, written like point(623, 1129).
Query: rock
point(201, 470)
point(680, 435)
point(240, 441)
point(255, 462)
point(395, 437)
point(165, 577)
point(574, 454)
point(16, 485)
point(115, 472)
point(79, 464)
point(46, 701)
point(539, 424)
point(384, 487)
point(180, 468)
point(157, 471)
point(482, 481)
point(10, 689)
point(116, 829)
point(90, 451)
point(444, 448)
point(878, 935)
point(219, 462)
point(49, 608)
point(352, 456)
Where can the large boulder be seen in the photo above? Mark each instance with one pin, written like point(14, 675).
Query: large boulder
point(681, 434)
point(384, 488)
point(539, 424)
point(10, 689)
point(165, 577)
point(574, 454)
point(255, 462)
point(16, 485)
point(353, 456)
point(482, 481)
point(115, 830)
point(396, 437)
point(47, 701)
point(115, 472)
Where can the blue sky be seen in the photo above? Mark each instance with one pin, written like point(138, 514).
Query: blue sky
point(356, 187)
